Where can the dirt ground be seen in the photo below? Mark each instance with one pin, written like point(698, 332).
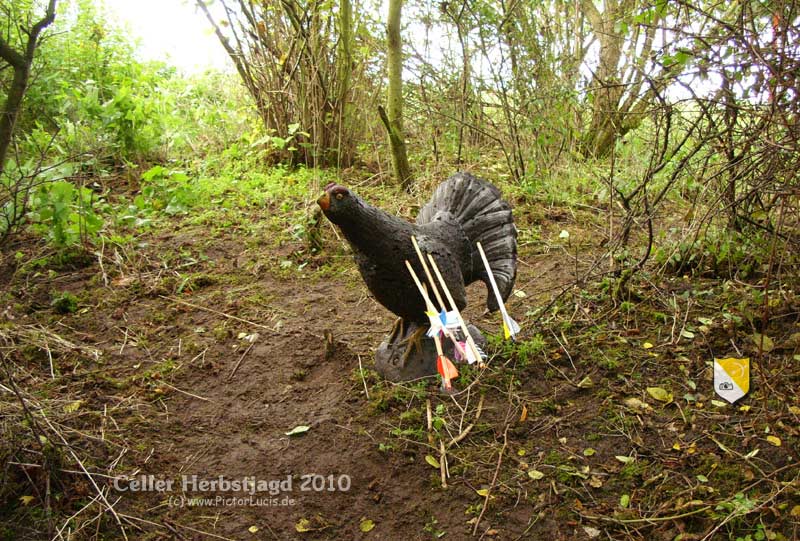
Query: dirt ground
point(215, 343)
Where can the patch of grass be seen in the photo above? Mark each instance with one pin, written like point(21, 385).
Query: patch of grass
point(554, 458)
point(634, 469)
point(65, 303)
point(415, 434)
point(411, 416)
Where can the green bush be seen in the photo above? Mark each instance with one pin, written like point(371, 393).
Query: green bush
point(92, 101)
point(65, 214)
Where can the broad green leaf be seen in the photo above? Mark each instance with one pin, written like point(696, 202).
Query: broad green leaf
point(72, 407)
point(300, 429)
point(535, 474)
point(432, 461)
point(366, 525)
point(660, 394)
point(765, 341)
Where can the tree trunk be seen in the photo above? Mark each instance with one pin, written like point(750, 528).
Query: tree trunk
point(21, 64)
point(393, 116)
point(607, 92)
point(345, 69)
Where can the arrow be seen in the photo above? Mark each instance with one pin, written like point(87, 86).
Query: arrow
point(510, 327)
point(446, 327)
point(447, 370)
point(454, 308)
point(427, 272)
point(444, 366)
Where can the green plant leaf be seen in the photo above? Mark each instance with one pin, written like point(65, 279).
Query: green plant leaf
point(660, 394)
point(73, 406)
point(535, 474)
point(296, 431)
point(766, 342)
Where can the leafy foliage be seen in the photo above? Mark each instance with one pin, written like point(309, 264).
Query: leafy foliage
point(65, 214)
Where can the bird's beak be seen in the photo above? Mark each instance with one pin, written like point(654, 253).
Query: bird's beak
point(324, 201)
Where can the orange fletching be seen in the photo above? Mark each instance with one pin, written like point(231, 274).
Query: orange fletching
point(446, 368)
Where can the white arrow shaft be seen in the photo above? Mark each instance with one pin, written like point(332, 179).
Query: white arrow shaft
point(467, 335)
point(431, 308)
point(496, 290)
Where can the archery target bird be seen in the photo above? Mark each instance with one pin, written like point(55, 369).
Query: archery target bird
point(463, 211)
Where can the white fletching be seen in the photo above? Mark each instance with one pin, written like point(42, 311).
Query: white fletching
point(508, 321)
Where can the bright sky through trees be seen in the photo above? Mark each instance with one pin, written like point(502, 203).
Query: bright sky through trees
point(171, 30)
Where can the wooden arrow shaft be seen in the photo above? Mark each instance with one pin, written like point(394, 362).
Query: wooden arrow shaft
point(428, 304)
point(467, 335)
point(431, 308)
point(428, 273)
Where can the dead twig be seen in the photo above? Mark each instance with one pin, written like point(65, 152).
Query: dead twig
point(223, 314)
point(363, 380)
point(443, 463)
point(494, 482)
point(239, 362)
point(464, 433)
point(88, 475)
point(187, 393)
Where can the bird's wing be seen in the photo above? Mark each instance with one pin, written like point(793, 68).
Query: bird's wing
point(448, 265)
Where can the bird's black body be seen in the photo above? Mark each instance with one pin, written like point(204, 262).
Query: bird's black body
point(463, 210)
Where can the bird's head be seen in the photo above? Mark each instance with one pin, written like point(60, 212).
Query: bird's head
point(337, 201)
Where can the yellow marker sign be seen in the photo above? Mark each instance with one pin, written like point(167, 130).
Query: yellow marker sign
point(732, 378)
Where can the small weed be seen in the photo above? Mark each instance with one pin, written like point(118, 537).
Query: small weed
point(633, 469)
point(432, 528)
point(412, 416)
point(65, 303)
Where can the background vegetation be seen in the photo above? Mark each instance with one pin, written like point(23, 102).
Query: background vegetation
point(633, 107)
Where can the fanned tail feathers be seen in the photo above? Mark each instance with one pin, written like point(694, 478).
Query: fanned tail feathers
point(484, 217)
